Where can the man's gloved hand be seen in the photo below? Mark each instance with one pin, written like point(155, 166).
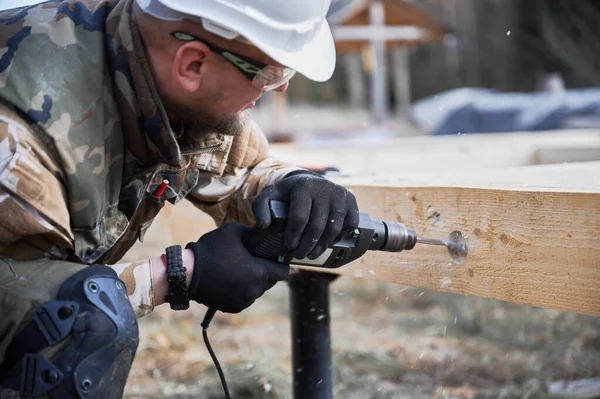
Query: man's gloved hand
point(226, 276)
point(318, 211)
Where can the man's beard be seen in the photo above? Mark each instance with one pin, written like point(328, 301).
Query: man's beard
point(198, 123)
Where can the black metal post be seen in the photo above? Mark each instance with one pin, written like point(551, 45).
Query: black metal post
point(311, 346)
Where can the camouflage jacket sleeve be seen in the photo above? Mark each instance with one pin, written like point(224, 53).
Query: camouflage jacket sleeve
point(34, 215)
point(248, 168)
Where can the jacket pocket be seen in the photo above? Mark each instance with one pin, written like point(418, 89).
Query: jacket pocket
point(136, 228)
point(153, 207)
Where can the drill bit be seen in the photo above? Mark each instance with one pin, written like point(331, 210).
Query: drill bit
point(456, 244)
point(430, 241)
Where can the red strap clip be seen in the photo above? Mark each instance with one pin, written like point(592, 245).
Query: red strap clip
point(161, 189)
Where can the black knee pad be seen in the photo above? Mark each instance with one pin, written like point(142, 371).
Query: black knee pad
point(91, 309)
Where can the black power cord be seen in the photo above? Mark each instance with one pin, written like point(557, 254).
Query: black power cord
point(205, 323)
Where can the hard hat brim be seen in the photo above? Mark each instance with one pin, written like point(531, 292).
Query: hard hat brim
point(316, 60)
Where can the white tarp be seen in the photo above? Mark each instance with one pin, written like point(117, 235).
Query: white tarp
point(8, 4)
point(472, 110)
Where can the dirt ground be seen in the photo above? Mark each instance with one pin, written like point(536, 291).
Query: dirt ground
point(388, 341)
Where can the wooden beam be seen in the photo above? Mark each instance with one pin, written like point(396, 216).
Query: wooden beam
point(402, 80)
point(397, 14)
point(355, 80)
point(573, 153)
point(379, 72)
point(441, 153)
point(533, 233)
point(384, 33)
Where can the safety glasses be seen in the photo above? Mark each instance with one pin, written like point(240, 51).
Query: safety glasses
point(263, 76)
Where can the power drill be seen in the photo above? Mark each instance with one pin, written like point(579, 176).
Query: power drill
point(371, 234)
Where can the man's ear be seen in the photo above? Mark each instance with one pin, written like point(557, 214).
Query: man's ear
point(188, 65)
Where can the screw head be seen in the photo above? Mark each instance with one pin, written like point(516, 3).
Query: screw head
point(50, 376)
point(93, 287)
point(119, 285)
point(86, 384)
point(65, 312)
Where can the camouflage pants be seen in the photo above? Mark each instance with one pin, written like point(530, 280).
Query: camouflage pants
point(23, 287)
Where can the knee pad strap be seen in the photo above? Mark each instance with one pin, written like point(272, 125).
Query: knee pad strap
point(93, 310)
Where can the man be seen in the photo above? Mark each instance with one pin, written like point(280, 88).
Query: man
point(108, 109)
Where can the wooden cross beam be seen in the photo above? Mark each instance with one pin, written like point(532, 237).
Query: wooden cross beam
point(369, 25)
point(376, 32)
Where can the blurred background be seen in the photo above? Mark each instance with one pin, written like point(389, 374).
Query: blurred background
point(407, 70)
point(448, 67)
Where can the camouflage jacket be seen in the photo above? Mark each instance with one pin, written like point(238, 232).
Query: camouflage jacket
point(85, 142)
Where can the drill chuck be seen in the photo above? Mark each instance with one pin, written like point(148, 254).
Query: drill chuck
point(371, 234)
point(392, 237)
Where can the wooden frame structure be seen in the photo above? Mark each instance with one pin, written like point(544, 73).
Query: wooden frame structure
point(378, 26)
point(366, 33)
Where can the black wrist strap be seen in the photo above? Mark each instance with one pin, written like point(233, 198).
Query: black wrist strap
point(178, 291)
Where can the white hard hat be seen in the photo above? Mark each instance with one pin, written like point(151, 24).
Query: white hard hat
point(294, 33)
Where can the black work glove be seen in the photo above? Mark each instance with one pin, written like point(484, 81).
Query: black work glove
point(226, 276)
point(319, 210)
